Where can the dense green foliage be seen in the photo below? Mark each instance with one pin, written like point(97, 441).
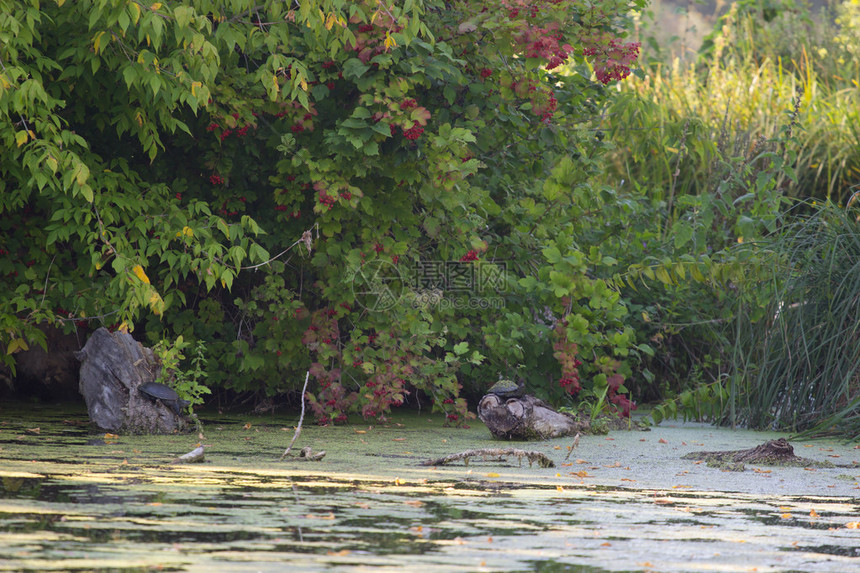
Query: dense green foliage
point(410, 201)
point(262, 176)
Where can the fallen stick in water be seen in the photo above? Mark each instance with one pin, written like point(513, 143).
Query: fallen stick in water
point(532, 457)
point(301, 419)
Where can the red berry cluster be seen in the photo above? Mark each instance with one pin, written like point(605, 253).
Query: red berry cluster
point(472, 255)
point(408, 104)
point(327, 200)
point(216, 180)
point(545, 43)
point(370, 38)
point(565, 352)
point(613, 59)
point(413, 132)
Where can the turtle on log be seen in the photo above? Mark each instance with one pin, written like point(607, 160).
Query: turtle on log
point(505, 389)
point(167, 395)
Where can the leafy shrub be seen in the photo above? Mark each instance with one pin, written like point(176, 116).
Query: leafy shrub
point(248, 165)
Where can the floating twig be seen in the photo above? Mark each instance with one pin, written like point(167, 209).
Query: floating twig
point(572, 446)
point(485, 453)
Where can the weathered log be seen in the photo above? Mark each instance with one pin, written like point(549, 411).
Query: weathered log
point(542, 460)
point(113, 367)
point(526, 418)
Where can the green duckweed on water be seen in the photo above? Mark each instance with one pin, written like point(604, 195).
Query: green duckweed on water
point(73, 499)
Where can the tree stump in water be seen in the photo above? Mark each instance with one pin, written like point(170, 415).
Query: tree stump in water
point(526, 418)
point(113, 366)
point(773, 453)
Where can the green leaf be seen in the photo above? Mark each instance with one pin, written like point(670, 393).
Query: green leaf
point(183, 15)
point(683, 233)
point(552, 254)
point(354, 68)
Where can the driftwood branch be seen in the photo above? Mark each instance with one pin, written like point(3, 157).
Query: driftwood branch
point(301, 418)
point(531, 456)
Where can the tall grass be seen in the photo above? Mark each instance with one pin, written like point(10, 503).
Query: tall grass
point(803, 366)
point(711, 150)
point(751, 71)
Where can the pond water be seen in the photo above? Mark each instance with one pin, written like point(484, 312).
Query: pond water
point(75, 500)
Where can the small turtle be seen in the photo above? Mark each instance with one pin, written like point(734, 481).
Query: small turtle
point(155, 392)
point(507, 389)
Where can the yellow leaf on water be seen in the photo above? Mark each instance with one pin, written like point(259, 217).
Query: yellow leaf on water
point(853, 525)
point(492, 475)
point(813, 513)
point(786, 516)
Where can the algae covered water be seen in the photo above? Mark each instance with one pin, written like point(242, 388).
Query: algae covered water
point(72, 499)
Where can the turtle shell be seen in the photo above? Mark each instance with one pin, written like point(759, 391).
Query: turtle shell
point(160, 391)
point(156, 391)
point(506, 389)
